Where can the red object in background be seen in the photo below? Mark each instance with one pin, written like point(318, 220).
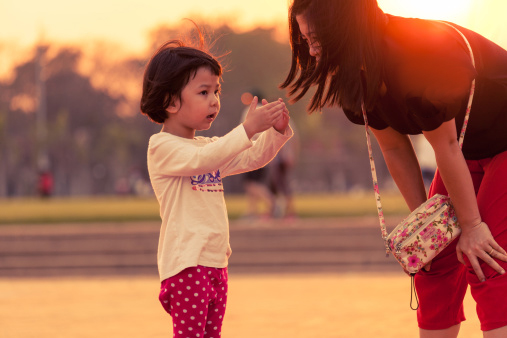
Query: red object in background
point(45, 184)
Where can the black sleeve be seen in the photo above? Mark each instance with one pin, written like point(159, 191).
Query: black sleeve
point(426, 115)
point(374, 120)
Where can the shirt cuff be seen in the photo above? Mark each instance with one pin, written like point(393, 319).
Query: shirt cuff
point(288, 133)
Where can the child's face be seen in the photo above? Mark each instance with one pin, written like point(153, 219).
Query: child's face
point(199, 105)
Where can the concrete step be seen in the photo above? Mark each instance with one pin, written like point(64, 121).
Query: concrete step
point(122, 249)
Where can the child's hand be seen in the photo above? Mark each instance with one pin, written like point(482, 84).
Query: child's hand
point(283, 121)
point(260, 119)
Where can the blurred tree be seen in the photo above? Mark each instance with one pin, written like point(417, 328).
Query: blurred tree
point(97, 138)
point(4, 142)
point(79, 120)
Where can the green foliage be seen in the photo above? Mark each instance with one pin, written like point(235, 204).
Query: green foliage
point(78, 209)
point(124, 209)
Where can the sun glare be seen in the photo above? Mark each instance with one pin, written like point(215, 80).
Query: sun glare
point(453, 10)
point(486, 17)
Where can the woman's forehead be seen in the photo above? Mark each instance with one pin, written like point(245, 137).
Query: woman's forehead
point(304, 27)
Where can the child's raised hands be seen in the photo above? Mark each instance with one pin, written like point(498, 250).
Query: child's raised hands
point(259, 119)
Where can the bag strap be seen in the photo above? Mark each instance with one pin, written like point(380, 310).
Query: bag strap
point(372, 163)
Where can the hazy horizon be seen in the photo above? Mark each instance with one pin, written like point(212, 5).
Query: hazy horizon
point(125, 25)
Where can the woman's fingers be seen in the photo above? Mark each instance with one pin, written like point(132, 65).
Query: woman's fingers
point(501, 251)
point(478, 243)
point(487, 257)
point(477, 268)
point(497, 252)
point(459, 253)
point(494, 251)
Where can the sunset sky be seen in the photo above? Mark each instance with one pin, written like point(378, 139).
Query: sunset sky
point(128, 22)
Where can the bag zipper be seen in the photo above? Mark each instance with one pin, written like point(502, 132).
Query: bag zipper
point(400, 244)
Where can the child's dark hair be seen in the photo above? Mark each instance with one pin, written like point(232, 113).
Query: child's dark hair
point(168, 72)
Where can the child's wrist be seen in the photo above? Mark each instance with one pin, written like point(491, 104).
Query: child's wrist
point(248, 130)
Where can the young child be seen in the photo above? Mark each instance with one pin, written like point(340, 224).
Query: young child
point(181, 91)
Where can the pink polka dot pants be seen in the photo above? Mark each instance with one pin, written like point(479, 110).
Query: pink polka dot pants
point(196, 299)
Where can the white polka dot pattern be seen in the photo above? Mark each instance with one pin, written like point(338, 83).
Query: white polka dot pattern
point(192, 303)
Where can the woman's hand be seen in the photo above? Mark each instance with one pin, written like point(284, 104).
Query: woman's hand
point(283, 121)
point(259, 119)
point(477, 242)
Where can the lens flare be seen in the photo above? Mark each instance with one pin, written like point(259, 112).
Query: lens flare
point(452, 10)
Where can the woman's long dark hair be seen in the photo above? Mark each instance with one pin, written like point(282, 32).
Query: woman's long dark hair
point(349, 70)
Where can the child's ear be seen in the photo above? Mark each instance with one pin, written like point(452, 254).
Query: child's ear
point(174, 106)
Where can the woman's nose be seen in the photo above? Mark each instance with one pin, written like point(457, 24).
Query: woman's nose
point(314, 51)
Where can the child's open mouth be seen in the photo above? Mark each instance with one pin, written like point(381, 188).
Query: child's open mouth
point(211, 116)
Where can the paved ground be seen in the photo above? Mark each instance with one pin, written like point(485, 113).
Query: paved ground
point(269, 246)
point(325, 278)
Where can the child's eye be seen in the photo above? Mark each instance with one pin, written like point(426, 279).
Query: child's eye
point(218, 92)
point(204, 92)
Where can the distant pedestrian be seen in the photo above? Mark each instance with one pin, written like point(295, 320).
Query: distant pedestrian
point(45, 185)
point(181, 91)
point(259, 199)
point(426, 157)
point(279, 179)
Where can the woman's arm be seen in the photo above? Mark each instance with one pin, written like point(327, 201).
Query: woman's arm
point(455, 174)
point(403, 166)
point(476, 240)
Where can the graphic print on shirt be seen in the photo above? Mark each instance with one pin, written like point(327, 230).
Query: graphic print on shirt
point(211, 182)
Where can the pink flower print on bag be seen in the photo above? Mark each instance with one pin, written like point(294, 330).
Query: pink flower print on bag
point(424, 233)
point(413, 261)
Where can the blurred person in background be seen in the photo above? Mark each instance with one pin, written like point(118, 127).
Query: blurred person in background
point(414, 76)
point(280, 172)
point(426, 158)
point(45, 184)
point(260, 200)
point(268, 189)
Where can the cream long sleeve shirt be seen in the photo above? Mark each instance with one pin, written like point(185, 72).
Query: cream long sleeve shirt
point(186, 175)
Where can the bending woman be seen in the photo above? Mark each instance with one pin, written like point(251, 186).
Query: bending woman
point(414, 76)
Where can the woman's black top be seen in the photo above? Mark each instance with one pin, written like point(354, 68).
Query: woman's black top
point(428, 74)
